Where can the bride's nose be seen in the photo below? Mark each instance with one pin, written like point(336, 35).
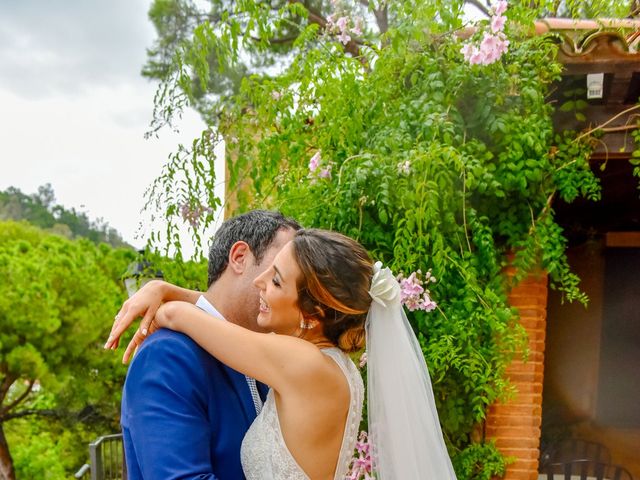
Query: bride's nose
point(259, 281)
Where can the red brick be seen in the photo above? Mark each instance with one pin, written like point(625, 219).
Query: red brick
point(525, 453)
point(525, 464)
point(513, 474)
point(528, 387)
point(515, 424)
point(513, 420)
point(509, 442)
point(513, 432)
point(501, 409)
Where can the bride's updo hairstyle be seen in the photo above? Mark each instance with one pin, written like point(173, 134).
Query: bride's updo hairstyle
point(334, 288)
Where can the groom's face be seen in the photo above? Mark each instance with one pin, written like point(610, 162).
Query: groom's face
point(251, 293)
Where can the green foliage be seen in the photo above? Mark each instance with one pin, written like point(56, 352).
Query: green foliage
point(584, 9)
point(40, 209)
point(266, 33)
point(635, 158)
point(48, 450)
point(481, 461)
point(434, 165)
point(60, 389)
point(57, 301)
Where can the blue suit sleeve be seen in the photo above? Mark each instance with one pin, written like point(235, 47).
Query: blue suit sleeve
point(166, 411)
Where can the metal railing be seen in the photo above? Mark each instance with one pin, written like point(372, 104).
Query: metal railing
point(106, 459)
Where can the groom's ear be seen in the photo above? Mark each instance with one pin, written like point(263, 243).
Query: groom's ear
point(239, 257)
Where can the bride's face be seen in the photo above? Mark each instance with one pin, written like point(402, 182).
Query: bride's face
point(279, 311)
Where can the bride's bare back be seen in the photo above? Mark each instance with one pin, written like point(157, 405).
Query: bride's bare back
point(309, 432)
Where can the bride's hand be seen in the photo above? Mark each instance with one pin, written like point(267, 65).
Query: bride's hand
point(144, 303)
point(137, 340)
point(161, 319)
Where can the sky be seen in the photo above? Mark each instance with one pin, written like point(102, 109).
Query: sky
point(74, 107)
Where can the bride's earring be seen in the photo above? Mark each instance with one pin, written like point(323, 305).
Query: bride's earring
point(308, 324)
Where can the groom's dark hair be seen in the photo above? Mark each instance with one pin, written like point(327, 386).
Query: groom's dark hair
point(258, 228)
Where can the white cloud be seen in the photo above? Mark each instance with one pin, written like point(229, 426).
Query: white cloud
point(74, 109)
point(66, 46)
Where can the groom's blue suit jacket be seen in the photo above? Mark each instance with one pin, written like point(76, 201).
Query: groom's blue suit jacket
point(184, 413)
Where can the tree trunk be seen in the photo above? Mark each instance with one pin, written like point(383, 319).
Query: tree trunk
point(6, 463)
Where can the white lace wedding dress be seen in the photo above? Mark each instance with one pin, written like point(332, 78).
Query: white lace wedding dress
point(264, 454)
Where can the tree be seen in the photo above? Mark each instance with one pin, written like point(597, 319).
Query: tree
point(263, 37)
point(57, 299)
point(58, 388)
point(41, 210)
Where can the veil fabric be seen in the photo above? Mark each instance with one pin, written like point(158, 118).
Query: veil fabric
point(404, 430)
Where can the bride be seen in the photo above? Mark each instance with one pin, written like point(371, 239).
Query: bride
point(321, 298)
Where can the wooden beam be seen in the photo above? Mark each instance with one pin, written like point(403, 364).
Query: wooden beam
point(588, 64)
point(622, 239)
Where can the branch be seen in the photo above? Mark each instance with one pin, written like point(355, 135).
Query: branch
point(382, 19)
point(277, 41)
point(483, 9)
point(316, 17)
point(19, 399)
point(27, 413)
point(599, 127)
point(7, 381)
point(623, 128)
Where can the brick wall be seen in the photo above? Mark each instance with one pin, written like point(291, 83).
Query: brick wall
point(515, 425)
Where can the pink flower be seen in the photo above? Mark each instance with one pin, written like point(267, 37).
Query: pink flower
point(497, 23)
point(489, 42)
point(413, 294)
point(429, 306)
point(363, 360)
point(493, 45)
point(325, 172)
point(276, 95)
point(342, 23)
point(194, 214)
point(500, 7)
point(357, 27)
point(491, 48)
point(503, 43)
point(344, 38)
point(476, 57)
point(467, 51)
point(330, 20)
point(410, 287)
point(314, 162)
point(361, 464)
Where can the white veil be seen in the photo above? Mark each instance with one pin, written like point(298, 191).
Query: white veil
point(404, 431)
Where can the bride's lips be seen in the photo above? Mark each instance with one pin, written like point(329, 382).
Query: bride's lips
point(264, 308)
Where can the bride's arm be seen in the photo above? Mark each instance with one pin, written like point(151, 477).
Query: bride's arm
point(280, 361)
point(145, 303)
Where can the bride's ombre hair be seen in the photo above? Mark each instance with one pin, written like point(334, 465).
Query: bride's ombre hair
point(335, 283)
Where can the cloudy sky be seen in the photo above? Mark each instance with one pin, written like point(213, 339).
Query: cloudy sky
point(74, 107)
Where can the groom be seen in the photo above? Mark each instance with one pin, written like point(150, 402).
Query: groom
point(184, 414)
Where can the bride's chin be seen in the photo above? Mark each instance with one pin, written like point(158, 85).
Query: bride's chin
point(263, 319)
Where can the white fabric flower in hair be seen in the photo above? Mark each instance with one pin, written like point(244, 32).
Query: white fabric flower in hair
point(384, 287)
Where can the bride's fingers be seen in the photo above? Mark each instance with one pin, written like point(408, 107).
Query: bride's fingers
point(145, 324)
point(123, 323)
point(131, 348)
point(116, 320)
point(112, 340)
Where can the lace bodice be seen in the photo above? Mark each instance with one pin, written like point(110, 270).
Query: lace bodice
point(265, 455)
